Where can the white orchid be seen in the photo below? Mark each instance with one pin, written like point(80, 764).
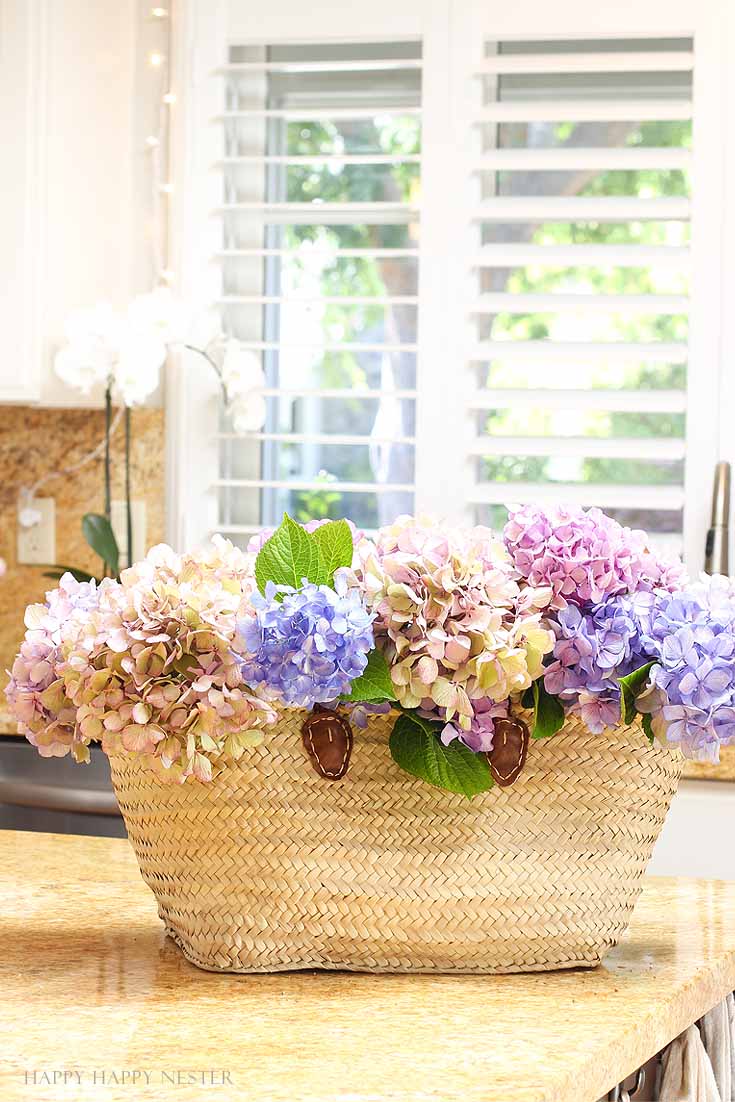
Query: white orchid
point(84, 364)
point(91, 350)
point(161, 313)
point(241, 370)
point(137, 371)
point(248, 413)
point(243, 380)
point(126, 352)
point(29, 517)
point(98, 322)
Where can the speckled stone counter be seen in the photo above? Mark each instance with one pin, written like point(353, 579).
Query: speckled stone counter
point(96, 1004)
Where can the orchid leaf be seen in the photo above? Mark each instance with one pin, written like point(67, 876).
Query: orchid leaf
point(416, 747)
point(98, 533)
point(631, 686)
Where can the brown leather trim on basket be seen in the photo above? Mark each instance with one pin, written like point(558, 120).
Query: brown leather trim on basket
point(327, 737)
point(509, 752)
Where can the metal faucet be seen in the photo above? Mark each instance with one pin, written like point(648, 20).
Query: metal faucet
point(717, 546)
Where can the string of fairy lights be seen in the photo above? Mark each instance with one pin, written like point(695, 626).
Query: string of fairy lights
point(157, 143)
point(157, 147)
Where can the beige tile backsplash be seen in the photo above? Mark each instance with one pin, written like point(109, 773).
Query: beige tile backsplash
point(35, 442)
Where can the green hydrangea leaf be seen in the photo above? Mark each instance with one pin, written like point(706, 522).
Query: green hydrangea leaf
point(289, 556)
point(647, 727)
point(548, 711)
point(374, 684)
point(416, 747)
point(631, 687)
point(334, 540)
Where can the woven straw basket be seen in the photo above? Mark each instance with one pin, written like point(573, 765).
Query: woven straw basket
point(270, 867)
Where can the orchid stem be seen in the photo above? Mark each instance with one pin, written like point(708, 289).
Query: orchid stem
point(128, 502)
point(210, 361)
point(108, 425)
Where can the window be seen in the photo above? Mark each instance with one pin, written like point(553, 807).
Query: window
point(321, 174)
point(482, 264)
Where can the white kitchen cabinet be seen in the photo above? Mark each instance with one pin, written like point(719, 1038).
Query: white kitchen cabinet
point(73, 166)
point(697, 836)
point(22, 122)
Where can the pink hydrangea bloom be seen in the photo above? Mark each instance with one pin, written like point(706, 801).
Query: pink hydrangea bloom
point(36, 692)
point(451, 619)
point(146, 665)
point(155, 672)
point(584, 555)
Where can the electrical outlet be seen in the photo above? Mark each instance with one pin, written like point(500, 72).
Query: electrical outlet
point(37, 545)
point(119, 520)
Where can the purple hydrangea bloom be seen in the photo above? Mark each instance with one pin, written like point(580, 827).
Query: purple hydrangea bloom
point(691, 730)
point(308, 646)
point(691, 635)
point(359, 713)
point(593, 650)
point(598, 711)
point(482, 728)
point(70, 597)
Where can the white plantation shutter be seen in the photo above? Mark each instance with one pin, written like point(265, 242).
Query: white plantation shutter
point(575, 104)
point(584, 289)
point(479, 252)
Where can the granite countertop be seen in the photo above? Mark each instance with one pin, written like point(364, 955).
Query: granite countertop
point(91, 990)
point(8, 725)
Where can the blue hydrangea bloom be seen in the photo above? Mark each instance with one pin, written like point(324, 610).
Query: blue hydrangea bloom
point(308, 646)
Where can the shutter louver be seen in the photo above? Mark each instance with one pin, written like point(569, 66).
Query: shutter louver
point(577, 281)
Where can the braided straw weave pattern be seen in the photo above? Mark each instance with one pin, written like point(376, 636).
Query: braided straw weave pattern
point(270, 867)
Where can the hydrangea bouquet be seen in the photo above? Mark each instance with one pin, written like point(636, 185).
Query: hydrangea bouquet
point(472, 642)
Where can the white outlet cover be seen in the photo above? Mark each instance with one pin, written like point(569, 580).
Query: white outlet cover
point(37, 544)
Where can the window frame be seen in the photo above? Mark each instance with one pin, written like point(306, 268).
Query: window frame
point(450, 46)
